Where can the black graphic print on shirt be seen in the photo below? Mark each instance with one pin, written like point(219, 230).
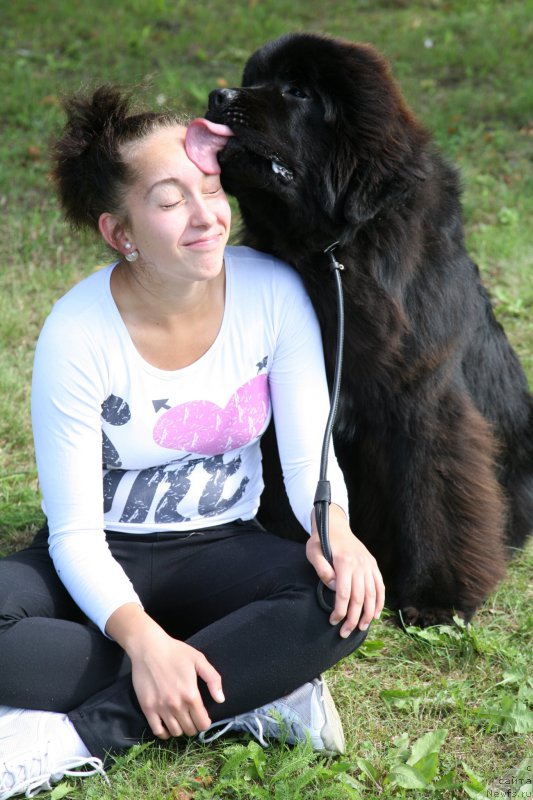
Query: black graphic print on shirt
point(202, 429)
point(115, 411)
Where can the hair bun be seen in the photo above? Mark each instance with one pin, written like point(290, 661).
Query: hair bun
point(88, 118)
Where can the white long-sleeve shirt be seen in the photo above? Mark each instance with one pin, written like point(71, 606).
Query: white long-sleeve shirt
point(124, 446)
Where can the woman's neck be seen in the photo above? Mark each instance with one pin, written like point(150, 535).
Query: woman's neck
point(143, 294)
point(172, 325)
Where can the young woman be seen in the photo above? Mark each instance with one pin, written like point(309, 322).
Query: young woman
point(153, 604)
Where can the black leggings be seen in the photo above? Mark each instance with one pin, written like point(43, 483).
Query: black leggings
point(242, 596)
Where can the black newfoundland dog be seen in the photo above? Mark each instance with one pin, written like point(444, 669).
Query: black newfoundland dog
point(435, 423)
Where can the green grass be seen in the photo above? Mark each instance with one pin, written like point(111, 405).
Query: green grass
point(465, 69)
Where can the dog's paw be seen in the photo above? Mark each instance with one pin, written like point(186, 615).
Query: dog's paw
point(431, 615)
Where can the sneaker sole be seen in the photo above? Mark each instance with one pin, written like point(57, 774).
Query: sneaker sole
point(332, 733)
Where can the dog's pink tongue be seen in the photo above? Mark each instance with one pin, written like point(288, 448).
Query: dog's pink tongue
point(203, 140)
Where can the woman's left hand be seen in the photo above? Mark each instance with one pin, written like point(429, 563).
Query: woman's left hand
point(354, 576)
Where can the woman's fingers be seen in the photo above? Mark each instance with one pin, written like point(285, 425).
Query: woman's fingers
point(370, 586)
point(184, 715)
point(380, 592)
point(349, 595)
point(211, 677)
point(315, 556)
point(165, 676)
point(362, 605)
point(360, 592)
point(157, 726)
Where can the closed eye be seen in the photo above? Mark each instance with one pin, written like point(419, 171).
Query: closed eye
point(211, 185)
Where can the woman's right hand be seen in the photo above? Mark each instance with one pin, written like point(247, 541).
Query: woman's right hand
point(165, 674)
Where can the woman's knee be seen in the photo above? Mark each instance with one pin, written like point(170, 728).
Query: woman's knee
point(30, 587)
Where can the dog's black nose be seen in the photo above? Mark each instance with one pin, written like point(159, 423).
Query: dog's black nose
point(220, 99)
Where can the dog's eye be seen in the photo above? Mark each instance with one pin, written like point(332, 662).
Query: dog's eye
point(295, 91)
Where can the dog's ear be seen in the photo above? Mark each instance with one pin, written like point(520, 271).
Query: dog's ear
point(380, 152)
point(376, 185)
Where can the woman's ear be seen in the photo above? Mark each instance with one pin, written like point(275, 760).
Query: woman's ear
point(113, 232)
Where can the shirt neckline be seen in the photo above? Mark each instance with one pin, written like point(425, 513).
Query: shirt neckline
point(166, 374)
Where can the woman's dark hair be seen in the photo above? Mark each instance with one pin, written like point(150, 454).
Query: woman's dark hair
point(88, 168)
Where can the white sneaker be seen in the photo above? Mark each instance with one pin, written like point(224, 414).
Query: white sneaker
point(308, 713)
point(31, 759)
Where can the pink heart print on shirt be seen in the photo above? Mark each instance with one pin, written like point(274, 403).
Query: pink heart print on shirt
point(202, 427)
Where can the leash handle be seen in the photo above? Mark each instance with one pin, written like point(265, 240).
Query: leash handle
point(323, 492)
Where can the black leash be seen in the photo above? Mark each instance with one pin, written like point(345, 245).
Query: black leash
point(323, 491)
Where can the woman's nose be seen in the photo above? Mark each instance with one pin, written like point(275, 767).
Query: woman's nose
point(202, 213)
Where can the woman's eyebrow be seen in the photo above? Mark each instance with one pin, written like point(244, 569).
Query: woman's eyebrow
point(163, 181)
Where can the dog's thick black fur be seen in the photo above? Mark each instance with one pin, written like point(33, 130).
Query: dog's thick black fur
point(435, 425)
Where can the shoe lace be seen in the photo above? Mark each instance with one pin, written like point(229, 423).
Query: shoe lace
point(22, 780)
point(16, 777)
point(258, 723)
point(255, 723)
point(70, 767)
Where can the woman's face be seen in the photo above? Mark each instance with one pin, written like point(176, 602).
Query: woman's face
point(178, 217)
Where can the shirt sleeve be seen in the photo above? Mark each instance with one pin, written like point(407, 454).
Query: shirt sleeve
point(300, 403)
point(68, 387)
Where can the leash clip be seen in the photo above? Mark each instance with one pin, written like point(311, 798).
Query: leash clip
point(330, 251)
